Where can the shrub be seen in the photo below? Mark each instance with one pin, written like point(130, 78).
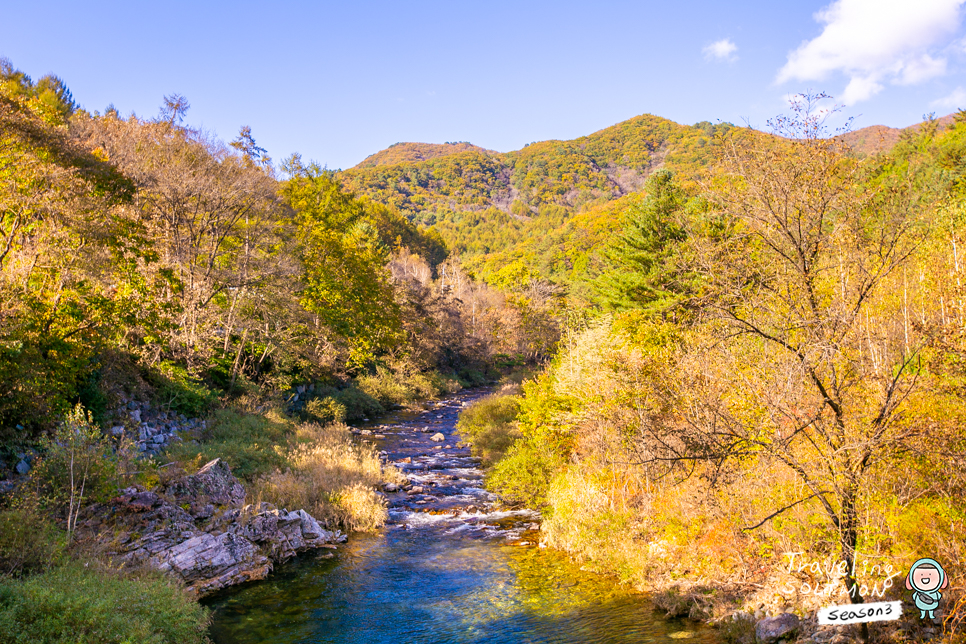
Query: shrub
point(363, 509)
point(523, 476)
point(28, 542)
point(179, 390)
point(488, 426)
point(86, 604)
point(386, 387)
point(358, 404)
point(421, 386)
point(470, 377)
point(325, 410)
point(79, 466)
point(517, 375)
point(740, 629)
point(449, 384)
point(91, 395)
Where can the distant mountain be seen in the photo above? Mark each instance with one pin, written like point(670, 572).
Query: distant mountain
point(551, 205)
point(414, 152)
point(876, 139)
point(472, 195)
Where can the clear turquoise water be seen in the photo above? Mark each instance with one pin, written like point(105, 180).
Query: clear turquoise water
point(452, 577)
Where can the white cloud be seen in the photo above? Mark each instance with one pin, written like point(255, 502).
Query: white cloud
point(877, 41)
point(860, 88)
point(722, 49)
point(955, 101)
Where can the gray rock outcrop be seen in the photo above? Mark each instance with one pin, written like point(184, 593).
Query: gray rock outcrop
point(153, 429)
point(199, 529)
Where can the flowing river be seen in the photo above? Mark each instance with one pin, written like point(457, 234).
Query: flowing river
point(450, 566)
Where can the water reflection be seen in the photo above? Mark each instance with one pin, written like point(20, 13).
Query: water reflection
point(399, 587)
point(444, 570)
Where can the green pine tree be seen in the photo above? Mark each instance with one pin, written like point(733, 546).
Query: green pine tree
point(643, 263)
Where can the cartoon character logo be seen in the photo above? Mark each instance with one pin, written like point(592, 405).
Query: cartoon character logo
point(925, 579)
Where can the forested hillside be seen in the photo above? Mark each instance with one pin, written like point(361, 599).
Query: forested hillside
point(482, 201)
point(548, 208)
point(142, 244)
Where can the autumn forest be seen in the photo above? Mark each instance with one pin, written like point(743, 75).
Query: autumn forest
point(704, 349)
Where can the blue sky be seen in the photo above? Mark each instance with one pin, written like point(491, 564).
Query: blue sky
point(339, 81)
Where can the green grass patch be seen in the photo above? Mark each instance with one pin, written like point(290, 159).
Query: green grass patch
point(179, 390)
point(29, 542)
point(82, 603)
point(247, 442)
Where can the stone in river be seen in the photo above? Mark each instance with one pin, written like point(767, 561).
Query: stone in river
point(437, 438)
point(772, 629)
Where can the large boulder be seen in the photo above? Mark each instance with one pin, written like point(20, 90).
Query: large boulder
point(207, 563)
point(213, 485)
point(773, 629)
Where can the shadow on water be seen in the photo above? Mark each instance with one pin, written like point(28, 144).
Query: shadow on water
point(439, 578)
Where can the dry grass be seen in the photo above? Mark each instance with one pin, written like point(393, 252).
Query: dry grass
point(332, 478)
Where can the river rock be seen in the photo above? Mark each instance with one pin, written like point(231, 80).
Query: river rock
point(772, 629)
point(207, 563)
point(199, 530)
point(437, 438)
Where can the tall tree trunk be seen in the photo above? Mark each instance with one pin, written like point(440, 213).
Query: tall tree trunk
point(235, 367)
point(849, 540)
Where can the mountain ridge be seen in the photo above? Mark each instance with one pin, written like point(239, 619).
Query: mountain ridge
point(483, 202)
point(413, 152)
